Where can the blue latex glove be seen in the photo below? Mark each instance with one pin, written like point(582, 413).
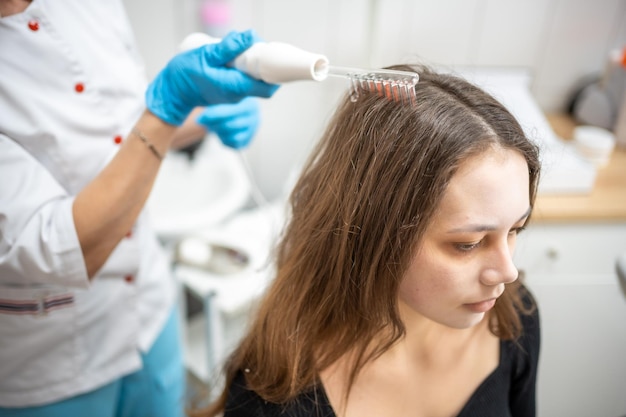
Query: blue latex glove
point(199, 77)
point(235, 124)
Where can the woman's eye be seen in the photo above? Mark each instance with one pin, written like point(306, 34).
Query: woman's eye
point(466, 247)
point(517, 230)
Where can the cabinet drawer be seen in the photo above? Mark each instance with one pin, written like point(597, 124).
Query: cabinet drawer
point(582, 328)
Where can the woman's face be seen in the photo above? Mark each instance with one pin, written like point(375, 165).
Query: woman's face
point(465, 257)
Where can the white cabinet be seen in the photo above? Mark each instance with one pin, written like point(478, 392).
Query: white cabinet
point(570, 268)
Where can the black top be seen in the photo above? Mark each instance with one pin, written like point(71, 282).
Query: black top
point(509, 391)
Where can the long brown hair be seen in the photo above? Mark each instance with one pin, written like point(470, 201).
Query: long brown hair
point(358, 211)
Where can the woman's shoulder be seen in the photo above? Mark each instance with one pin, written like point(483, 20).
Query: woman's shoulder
point(242, 401)
point(245, 402)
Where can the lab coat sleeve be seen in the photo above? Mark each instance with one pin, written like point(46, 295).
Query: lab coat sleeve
point(38, 240)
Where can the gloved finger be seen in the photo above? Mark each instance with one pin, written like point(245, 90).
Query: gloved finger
point(242, 85)
point(219, 113)
point(220, 54)
point(236, 133)
point(229, 48)
point(235, 124)
point(238, 139)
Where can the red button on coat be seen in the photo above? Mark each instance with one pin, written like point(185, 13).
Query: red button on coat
point(33, 25)
point(79, 87)
point(129, 278)
point(117, 139)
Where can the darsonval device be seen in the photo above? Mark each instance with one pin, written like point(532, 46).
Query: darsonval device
point(278, 62)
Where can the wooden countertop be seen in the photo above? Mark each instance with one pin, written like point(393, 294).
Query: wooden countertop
point(605, 203)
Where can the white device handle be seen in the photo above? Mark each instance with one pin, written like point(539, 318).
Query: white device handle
point(272, 62)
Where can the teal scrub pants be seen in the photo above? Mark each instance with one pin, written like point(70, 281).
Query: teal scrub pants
point(156, 390)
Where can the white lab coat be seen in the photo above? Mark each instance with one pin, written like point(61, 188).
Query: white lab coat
point(71, 85)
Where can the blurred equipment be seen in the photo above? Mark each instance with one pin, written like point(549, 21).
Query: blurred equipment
point(602, 102)
point(204, 254)
point(216, 17)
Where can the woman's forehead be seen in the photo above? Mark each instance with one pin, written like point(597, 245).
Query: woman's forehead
point(488, 189)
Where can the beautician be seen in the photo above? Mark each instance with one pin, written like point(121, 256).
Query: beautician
point(88, 324)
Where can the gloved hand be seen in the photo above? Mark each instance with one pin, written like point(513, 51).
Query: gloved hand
point(199, 77)
point(235, 124)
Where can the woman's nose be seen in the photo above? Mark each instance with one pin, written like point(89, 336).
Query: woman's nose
point(499, 268)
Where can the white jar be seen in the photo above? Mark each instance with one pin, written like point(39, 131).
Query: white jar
point(594, 143)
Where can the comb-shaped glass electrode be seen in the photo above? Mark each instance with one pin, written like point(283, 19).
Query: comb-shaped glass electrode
point(392, 84)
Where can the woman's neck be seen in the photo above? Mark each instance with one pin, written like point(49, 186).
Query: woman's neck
point(9, 7)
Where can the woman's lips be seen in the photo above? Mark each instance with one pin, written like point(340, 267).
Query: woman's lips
point(482, 306)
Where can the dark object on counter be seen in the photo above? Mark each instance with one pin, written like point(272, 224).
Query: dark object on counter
point(191, 149)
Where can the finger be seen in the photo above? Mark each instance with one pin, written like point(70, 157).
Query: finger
point(236, 137)
point(220, 113)
point(234, 124)
point(229, 48)
point(255, 36)
point(242, 85)
point(239, 140)
point(239, 124)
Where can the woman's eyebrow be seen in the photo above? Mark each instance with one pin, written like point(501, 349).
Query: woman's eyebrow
point(476, 228)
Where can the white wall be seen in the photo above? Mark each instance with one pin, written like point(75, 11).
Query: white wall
point(561, 42)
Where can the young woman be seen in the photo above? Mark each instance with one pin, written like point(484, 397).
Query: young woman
point(395, 293)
